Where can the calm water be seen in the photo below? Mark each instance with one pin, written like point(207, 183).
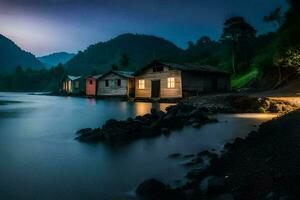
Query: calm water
point(41, 160)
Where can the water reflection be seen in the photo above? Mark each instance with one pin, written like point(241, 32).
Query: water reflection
point(41, 159)
point(141, 108)
point(91, 101)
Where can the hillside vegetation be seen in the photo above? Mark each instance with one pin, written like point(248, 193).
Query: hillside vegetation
point(12, 56)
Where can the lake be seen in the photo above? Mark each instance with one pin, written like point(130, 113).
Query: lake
point(41, 160)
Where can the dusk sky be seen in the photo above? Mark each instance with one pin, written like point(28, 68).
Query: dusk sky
point(47, 26)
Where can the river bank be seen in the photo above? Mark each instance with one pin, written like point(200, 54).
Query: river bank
point(265, 165)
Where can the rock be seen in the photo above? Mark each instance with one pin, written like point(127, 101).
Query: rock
point(165, 130)
point(174, 155)
point(196, 125)
point(84, 131)
point(198, 173)
point(227, 196)
point(193, 162)
point(189, 156)
point(213, 185)
point(151, 189)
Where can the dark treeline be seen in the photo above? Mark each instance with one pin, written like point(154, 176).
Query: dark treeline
point(267, 59)
point(32, 80)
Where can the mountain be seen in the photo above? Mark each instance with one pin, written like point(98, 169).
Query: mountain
point(12, 56)
point(56, 58)
point(139, 50)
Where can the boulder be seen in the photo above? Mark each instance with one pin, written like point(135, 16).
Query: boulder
point(151, 189)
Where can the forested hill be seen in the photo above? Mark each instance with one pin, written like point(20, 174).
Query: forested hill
point(12, 56)
point(56, 58)
point(127, 51)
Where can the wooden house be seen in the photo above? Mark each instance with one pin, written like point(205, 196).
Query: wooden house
point(91, 83)
point(171, 80)
point(116, 83)
point(73, 84)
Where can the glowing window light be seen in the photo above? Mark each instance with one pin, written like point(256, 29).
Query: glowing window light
point(141, 84)
point(171, 82)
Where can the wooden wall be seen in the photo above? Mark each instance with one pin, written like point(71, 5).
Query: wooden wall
point(195, 83)
point(113, 89)
point(163, 76)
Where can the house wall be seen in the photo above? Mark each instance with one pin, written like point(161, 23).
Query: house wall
point(195, 83)
point(163, 76)
point(113, 89)
point(90, 87)
point(78, 86)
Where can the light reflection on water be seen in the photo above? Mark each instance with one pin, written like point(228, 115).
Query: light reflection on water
point(41, 160)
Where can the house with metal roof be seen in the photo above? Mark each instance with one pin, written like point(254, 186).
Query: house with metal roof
point(172, 80)
point(116, 83)
point(73, 84)
point(91, 85)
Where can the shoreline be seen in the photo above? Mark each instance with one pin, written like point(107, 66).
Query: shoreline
point(264, 165)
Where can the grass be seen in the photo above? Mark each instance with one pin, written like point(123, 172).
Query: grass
point(239, 81)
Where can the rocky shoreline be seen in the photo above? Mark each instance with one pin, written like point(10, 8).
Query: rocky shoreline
point(194, 111)
point(265, 165)
point(234, 103)
point(149, 125)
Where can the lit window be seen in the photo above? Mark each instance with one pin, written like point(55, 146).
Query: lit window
point(141, 84)
point(171, 82)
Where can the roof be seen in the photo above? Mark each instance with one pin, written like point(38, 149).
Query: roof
point(126, 74)
point(94, 76)
point(72, 78)
point(186, 67)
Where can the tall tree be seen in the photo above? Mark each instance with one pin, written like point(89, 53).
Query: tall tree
point(237, 31)
point(274, 17)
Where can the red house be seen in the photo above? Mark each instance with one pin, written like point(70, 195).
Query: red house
point(91, 85)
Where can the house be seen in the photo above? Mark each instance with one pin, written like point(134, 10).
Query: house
point(116, 83)
point(73, 84)
point(171, 80)
point(91, 85)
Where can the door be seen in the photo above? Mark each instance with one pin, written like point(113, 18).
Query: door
point(155, 89)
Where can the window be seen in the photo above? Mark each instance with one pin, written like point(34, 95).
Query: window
point(141, 84)
point(119, 82)
point(91, 82)
point(171, 82)
point(106, 83)
point(158, 68)
point(76, 84)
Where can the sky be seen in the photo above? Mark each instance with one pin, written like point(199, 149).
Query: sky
point(47, 26)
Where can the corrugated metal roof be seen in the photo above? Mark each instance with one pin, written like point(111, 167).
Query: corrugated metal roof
point(128, 74)
point(185, 67)
point(72, 78)
point(194, 67)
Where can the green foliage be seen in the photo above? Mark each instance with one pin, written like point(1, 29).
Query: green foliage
point(11, 56)
point(275, 17)
point(239, 34)
point(239, 81)
point(141, 48)
point(32, 80)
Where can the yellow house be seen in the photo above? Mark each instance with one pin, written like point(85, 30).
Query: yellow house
point(171, 80)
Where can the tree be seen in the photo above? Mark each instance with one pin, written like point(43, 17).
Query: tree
point(274, 17)
point(124, 60)
point(204, 40)
point(190, 44)
point(237, 31)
